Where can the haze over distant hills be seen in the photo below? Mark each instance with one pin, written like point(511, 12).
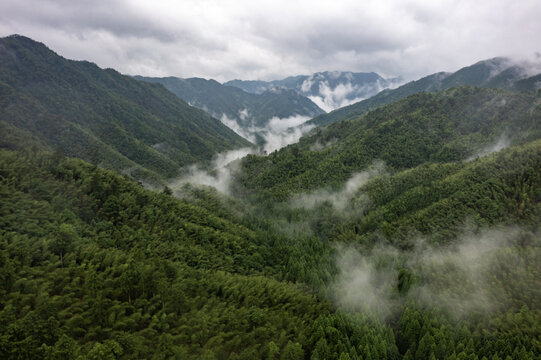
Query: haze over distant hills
point(498, 72)
point(256, 117)
point(329, 90)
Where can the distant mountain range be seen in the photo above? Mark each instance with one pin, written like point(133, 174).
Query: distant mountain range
point(247, 113)
point(99, 115)
point(329, 90)
point(498, 72)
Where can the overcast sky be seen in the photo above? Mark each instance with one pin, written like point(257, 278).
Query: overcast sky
point(250, 39)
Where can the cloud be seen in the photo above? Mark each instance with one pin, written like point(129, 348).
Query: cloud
point(503, 142)
point(246, 132)
point(277, 133)
point(458, 278)
point(341, 198)
point(362, 285)
point(343, 94)
point(270, 40)
point(218, 175)
point(275, 140)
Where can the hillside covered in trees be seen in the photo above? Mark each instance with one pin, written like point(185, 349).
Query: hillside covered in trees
point(447, 126)
point(408, 232)
point(501, 73)
point(100, 115)
point(94, 267)
point(247, 109)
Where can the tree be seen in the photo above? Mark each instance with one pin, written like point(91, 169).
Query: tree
point(292, 351)
point(109, 350)
point(65, 349)
point(64, 241)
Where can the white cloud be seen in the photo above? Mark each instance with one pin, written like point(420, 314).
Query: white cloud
point(458, 277)
point(251, 40)
point(219, 175)
point(341, 198)
point(278, 132)
point(503, 142)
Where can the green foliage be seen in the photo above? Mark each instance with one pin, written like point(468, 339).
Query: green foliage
point(96, 267)
point(92, 266)
point(100, 115)
point(441, 127)
point(480, 74)
point(219, 99)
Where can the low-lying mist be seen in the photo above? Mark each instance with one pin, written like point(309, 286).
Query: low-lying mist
point(217, 175)
point(277, 133)
point(341, 198)
point(503, 142)
point(461, 279)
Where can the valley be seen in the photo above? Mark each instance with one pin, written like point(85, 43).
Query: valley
point(183, 218)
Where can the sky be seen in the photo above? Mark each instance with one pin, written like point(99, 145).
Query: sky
point(267, 40)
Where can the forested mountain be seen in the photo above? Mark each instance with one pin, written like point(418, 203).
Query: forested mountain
point(95, 267)
point(407, 232)
point(100, 115)
point(247, 109)
point(329, 89)
point(493, 73)
point(438, 127)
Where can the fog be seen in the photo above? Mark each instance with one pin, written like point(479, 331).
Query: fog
point(457, 279)
point(276, 134)
point(344, 94)
point(503, 142)
point(217, 175)
point(341, 198)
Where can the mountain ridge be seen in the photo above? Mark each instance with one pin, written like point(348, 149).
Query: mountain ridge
point(101, 115)
point(328, 89)
point(499, 72)
point(249, 110)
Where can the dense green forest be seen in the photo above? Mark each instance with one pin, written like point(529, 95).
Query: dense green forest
point(410, 232)
point(94, 266)
point(100, 115)
point(446, 126)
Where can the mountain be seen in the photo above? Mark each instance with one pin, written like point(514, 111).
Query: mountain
point(329, 89)
point(100, 115)
point(227, 102)
point(433, 255)
point(528, 84)
point(427, 127)
point(493, 73)
point(123, 272)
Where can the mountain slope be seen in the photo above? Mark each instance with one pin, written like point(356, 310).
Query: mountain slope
point(329, 89)
point(100, 115)
point(248, 110)
point(492, 73)
point(93, 266)
point(446, 126)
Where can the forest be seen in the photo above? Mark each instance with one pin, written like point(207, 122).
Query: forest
point(444, 263)
point(407, 232)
